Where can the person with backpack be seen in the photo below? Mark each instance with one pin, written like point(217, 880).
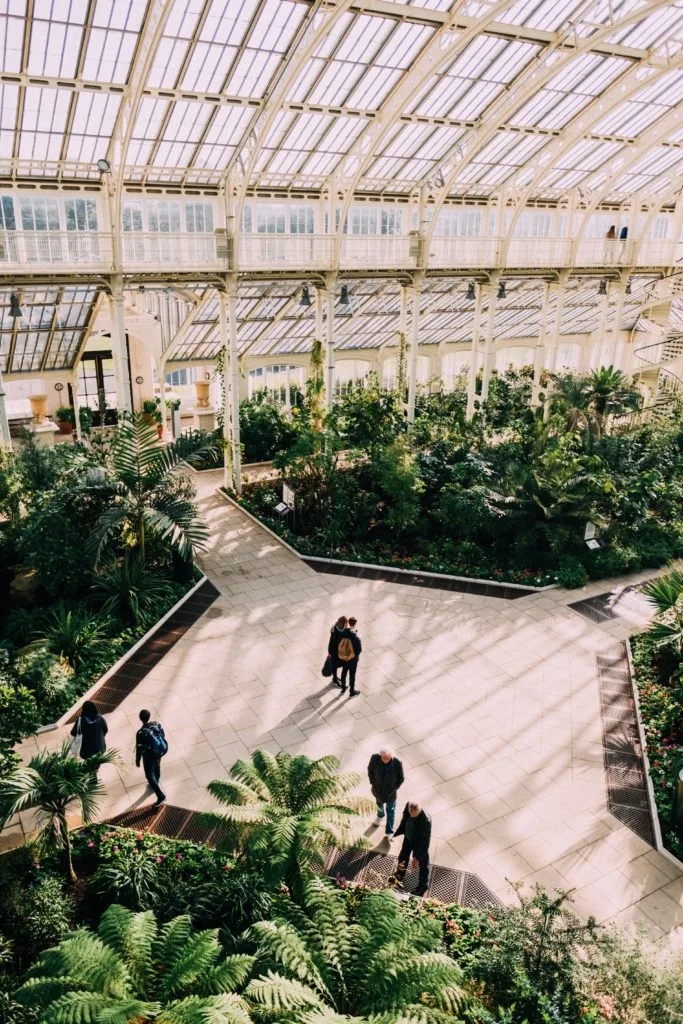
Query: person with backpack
point(333, 647)
point(348, 653)
point(150, 747)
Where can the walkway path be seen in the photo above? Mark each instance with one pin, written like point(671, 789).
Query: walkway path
point(492, 706)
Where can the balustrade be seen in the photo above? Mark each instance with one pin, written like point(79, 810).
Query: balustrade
point(155, 252)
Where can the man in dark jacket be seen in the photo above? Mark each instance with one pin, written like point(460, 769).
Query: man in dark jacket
point(385, 773)
point(416, 829)
point(144, 750)
point(349, 667)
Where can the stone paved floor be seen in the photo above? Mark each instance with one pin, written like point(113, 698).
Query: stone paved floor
point(491, 705)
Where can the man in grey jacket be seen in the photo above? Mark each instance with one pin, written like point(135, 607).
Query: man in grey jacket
point(385, 773)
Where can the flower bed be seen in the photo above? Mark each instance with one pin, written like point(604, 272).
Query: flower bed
point(658, 681)
point(428, 559)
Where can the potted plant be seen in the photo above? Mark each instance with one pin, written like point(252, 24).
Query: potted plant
point(66, 418)
point(151, 410)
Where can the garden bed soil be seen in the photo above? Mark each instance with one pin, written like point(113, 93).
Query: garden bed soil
point(416, 573)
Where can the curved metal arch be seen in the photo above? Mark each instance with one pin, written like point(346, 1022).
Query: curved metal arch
point(650, 137)
point(572, 129)
point(442, 48)
point(306, 41)
point(117, 152)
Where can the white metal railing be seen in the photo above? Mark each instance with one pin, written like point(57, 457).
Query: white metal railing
point(452, 251)
point(186, 250)
point(263, 251)
point(364, 251)
point(38, 249)
point(203, 251)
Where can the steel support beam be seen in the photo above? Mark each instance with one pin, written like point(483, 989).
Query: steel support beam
point(231, 299)
point(414, 345)
point(474, 353)
point(119, 349)
point(540, 349)
point(330, 293)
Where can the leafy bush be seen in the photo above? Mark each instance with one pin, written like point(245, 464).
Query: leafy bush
point(265, 429)
point(613, 560)
point(127, 591)
point(571, 573)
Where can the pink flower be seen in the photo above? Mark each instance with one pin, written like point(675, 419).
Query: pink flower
point(159, 860)
point(91, 845)
point(115, 849)
point(178, 856)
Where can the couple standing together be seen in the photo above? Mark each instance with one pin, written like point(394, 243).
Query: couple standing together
point(343, 652)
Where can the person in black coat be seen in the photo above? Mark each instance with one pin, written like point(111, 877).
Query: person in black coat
point(93, 729)
point(385, 773)
point(349, 667)
point(416, 829)
point(336, 634)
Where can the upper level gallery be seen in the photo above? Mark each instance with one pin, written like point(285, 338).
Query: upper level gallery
point(63, 233)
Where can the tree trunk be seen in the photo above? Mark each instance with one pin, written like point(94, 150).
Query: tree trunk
point(64, 828)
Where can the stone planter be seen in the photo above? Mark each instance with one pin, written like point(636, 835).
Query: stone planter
point(39, 408)
point(201, 390)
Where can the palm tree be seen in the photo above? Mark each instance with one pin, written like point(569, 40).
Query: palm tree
point(666, 594)
point(319, 965)
point(283, 812)
point(569, 402)
point(128, 591)
point(609, 392)
point(140, 488)
point(53, 784)
point(132, 970)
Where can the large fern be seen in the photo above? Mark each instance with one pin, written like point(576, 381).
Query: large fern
point(132, 970)
point(284, 812)
point(139, 486)
point(319, 966)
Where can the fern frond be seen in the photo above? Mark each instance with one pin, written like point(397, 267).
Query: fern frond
point(221, 1009)
point(198, 955)
point(132, 937)
point(94, 1008)
point(226, 976)
point(278, 993)
point(237, 792)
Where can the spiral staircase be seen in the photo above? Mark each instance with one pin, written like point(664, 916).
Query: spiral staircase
point(658, 365)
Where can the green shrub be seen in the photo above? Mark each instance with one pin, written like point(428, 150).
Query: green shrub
point(571, 573)
point(613, 560)
point(264, 428)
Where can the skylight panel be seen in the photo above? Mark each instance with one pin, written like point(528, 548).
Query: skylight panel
point(337, 81)
point(167, 62)
point(629, 118)
point(253, 73)
point(93, 125)
point(9, 95)
point(476, 100)
point(404, 44)
point(436, 145)
point(667, 90)
point(226, 22)
point(227, 128)
point(208, 67)
point(655, 28)
point(111, 45)
point(373, 88)
point(43, 123)
point(270, 37)
point(55, 37)
point(548, 14)
point(342, 134)
point(363, 38)
point(12, 25)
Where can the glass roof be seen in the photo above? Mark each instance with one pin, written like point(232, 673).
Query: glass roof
point(270, 319)
point(478, 91)
point(49, 333)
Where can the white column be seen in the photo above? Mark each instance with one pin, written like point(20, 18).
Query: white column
point(414, 346)
point(603, 307)
point(120, 350)
point(474, 353)
point(227, 433)
point(234, 384)
point(77, 407)
point(4, 423)
point(489, 351)
point(161, 377)
point(614, 328)
point(330, 282)
point(539, 352)
point(560, 292)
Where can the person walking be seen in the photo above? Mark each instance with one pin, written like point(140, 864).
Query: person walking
point(416, 829)
point(150, 747)
point(348, 653)
point(92, 728)
point(385, 773)
point(336, 634)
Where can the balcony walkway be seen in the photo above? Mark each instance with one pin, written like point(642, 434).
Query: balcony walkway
point(494, 708)
point(89, 253)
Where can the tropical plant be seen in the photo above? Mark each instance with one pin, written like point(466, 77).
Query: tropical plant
point(264, 428)
point(70, 632)
point(315, 386)
point(52, 785)
point(128, 591)
point(140, 492)
point(666, 594)
point(132, 970)
point(321, 965)
point(610, 392)
point(284, 812)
